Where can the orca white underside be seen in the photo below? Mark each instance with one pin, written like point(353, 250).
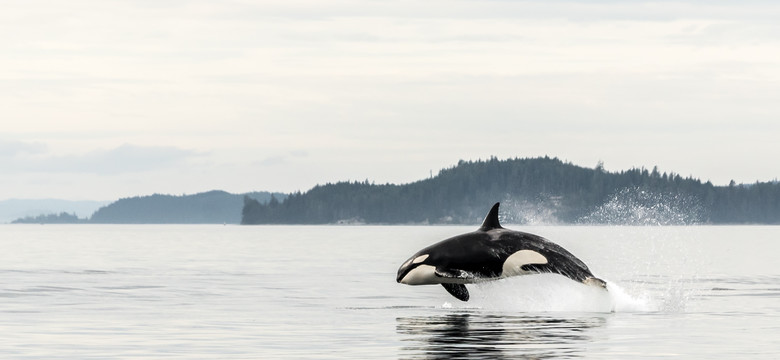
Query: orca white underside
point(513, 265)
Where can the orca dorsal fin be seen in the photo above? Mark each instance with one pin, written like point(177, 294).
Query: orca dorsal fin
point(491, 220)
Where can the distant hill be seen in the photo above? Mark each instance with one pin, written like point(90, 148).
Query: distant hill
point(213, 207)
point(533, 190)
point(13, 209)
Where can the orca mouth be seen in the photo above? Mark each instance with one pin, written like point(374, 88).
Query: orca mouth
point(402, 272)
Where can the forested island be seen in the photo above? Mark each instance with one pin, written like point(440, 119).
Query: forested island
point(532, 190)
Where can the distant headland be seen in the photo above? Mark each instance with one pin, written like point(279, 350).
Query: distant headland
point(212, 207)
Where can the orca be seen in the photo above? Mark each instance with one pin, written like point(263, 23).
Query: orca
point(490, 253)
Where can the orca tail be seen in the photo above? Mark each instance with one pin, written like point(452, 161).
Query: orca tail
point(594, 281)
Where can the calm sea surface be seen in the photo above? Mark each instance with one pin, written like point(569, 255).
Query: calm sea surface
point(329, 292)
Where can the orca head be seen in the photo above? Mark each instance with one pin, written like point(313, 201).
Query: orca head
point(416, 271)
point(421, 268)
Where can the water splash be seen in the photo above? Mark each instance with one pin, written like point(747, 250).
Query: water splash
point(648, 279)
point(553, 293)
point(625, 302)
point(549, 293)
point(667, 294)
point(635, 206)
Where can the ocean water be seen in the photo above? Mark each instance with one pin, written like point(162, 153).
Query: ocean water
point(329, 292)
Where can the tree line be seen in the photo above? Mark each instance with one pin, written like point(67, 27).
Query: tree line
point(61, 218)
point(543, 187)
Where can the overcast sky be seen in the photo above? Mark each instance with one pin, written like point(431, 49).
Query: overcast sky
point(107, 99)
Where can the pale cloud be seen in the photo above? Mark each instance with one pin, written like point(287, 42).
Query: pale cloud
point(389, 90)
point(279, 160)
point(120, 160)
point(12, 148)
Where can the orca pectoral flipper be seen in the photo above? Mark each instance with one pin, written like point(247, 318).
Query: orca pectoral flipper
point(459, 291)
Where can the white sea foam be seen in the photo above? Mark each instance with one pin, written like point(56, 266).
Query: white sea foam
point(551, 293)
point(625, 302)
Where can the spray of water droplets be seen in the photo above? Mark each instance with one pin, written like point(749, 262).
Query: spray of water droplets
point(635, 206)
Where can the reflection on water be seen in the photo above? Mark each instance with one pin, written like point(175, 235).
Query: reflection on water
point(490, 336)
